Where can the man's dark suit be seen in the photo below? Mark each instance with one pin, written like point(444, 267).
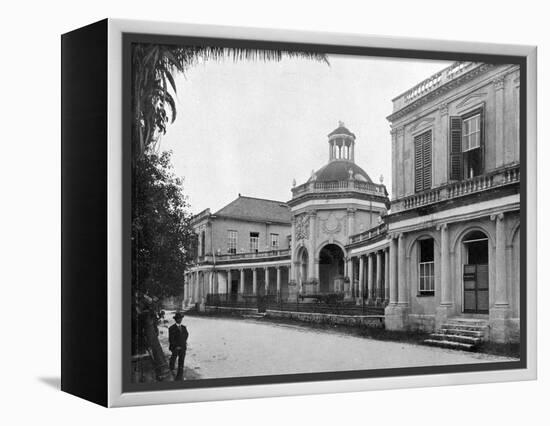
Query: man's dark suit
point(177, 337)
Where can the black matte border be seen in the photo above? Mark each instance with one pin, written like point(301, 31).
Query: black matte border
point(129, 38)
point(84, 212)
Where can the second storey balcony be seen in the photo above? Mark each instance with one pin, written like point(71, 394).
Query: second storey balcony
point(484, 183)
point(226, 258)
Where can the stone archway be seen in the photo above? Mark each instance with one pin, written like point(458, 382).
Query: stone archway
point(331, 269)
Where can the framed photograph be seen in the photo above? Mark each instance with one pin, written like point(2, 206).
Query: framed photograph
point(251, 212)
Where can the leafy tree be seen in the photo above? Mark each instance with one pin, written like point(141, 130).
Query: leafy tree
point(162, 239)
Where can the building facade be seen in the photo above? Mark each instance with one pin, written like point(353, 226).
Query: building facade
point(455, 221)
point(445, 247)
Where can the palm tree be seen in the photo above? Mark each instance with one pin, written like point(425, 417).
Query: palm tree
point(153, 108)
point(154, 66)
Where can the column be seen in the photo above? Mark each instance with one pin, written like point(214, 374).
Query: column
point(393, 271)
point(254, 281)
point(229, 281)
point(387, 275)
point(312, 273)
point(196, 290)
point(361, 276)
point(402, 297)
point(351, 222)
point(498, 85)
point(292, 277)
point(370, 279)
point(278, 282)
point(501, 295)
point(241, 282)
point(446, 290)
point(266, 280)
point(185, 288)
point(378, 277)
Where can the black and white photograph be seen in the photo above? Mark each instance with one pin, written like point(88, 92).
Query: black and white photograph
point(304, 214)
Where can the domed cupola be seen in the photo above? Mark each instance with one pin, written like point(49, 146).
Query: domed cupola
point(341, 144)
point(341, 165)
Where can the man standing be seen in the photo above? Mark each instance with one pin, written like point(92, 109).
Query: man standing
point(177, 337)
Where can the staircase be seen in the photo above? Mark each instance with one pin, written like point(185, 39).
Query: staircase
point(460, 333)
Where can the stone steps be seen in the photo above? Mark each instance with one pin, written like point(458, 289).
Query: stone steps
point(459, 333)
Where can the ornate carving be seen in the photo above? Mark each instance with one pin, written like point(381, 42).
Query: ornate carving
point(498, 216)
point(444, 109)
point(302, 227)
point(498, 83)
point(332, 224)
point(468, 98)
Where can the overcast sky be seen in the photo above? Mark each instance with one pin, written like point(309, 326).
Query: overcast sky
point(253, 127)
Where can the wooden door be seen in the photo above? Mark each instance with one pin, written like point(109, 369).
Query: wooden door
point(476, 289)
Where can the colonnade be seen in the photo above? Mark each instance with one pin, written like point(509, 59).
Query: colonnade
point(371, 283)
point(205, 281)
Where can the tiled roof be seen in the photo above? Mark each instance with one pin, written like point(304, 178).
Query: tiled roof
point(341, 130)
point(256, 209)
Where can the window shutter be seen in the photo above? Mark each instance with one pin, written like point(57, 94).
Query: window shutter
point(455, 156)
point(418, 163)
point(427, 160)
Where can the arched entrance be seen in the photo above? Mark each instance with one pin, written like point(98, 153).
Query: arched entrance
point(331, 269)
point(476, 272)
point(302, 266)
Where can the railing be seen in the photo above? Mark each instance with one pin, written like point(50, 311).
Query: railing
point(252, 255)
point(432, 83)
point(339, 186)
point(369, 233)
point(323, 306)
point(461, 188)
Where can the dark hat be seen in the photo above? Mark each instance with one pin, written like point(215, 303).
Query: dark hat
point(178, 315)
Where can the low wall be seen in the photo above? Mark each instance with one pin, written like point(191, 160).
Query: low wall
point(376, 321)
point(230, 310)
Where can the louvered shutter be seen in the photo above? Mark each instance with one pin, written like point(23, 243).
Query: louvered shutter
point(418, 163)
point(455, 152)
point(427, 160)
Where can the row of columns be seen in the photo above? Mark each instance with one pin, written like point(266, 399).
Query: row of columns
point(373, 281)
point(196, 288)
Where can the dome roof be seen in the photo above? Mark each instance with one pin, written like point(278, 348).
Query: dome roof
point(339, 170)
point(341, 130)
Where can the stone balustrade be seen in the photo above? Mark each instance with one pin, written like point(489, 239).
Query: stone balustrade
point(250, 255)
point(339, 186)
point(488, 181)
point(433, 83)
point(369, 233)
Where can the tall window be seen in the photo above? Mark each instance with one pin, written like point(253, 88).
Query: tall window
point(423, 161)
point(466, 145)
point(426, 280)
point(254, 240)
point(232, 242)
point(274, 241)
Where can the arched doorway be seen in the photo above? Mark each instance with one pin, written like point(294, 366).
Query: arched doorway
point(302, 266)
point(476, 272)
point(331, 268)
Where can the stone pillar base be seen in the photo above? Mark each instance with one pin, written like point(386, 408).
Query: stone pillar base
point(292, 293)
point(358, 301)
point(498, 324)
point(442, 314)
point(396, 317)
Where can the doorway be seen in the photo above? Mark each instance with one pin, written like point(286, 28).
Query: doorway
point(476, 273)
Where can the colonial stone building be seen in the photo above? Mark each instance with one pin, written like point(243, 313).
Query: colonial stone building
point(454, 222)
point(442, 256)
